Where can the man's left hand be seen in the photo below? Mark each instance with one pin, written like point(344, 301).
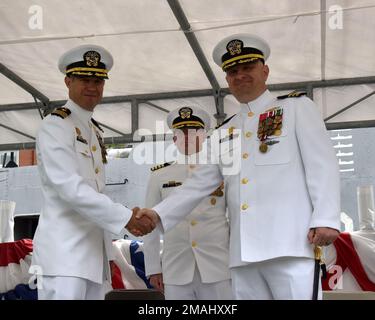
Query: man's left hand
point(140, 225)
point(322, 236)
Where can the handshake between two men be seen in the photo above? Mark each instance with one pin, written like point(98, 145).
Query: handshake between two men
point(142, 222)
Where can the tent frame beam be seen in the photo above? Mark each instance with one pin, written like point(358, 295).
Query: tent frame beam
point(197, 49)
point(350, 106)
point(135, 100)
point(323, 38)
point(23, 84)
point(350, 125)
point(155, 106)
point(144, 98)
point(134, 115)
point(17, 131)
point(129, 138)
point(112, 129)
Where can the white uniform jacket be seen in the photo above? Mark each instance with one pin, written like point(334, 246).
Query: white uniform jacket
point(73, 235)
point(274, 197)
point(201, 239)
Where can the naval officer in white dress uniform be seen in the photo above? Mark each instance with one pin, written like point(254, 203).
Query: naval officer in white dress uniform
point(282, 188)
point(73, 243)
point(195, 261)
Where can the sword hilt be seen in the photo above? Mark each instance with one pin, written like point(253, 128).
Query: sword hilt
point(318, 253)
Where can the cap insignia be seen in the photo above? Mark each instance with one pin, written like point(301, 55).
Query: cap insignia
point(92, 58)
point(234, 47)
point(185, 112)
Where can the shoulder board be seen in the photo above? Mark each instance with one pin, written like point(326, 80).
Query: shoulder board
point(294, 94)
point(161, 166)
point(96, 124)
point(224, 122)
point(61, 112)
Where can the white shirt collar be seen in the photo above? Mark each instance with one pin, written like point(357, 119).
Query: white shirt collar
point(82, 114)
point(259, 104)
point(195, 158)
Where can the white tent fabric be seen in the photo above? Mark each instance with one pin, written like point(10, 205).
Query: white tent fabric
point(309, 42)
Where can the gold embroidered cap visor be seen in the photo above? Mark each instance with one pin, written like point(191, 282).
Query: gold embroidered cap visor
point(86, 61)
point(240, 48)
point(189, 124)
point(87, 72)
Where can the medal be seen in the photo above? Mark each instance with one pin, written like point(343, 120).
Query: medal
point(263, 147)
point(102, 147)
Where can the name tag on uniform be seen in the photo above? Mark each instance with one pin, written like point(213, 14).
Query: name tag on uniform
point(172, 184)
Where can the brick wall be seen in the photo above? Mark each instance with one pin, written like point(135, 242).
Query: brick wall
point(27, 157)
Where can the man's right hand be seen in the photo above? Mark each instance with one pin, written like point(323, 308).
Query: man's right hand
point(139, 226)
point(156, 281)
point(151, 214)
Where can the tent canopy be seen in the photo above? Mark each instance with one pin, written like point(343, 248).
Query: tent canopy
point(162, 57)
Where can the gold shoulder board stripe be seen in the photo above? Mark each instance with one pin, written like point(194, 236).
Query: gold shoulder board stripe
point(161, 166)
point(293, 94)
point(61, 112)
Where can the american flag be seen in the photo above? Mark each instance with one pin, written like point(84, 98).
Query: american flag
point(16, 283)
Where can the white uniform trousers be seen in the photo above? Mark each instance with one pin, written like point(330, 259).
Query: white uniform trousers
point(71, 288)
point(286, 278)
point(196, 290)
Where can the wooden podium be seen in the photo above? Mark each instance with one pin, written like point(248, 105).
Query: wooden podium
point(134, 294)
